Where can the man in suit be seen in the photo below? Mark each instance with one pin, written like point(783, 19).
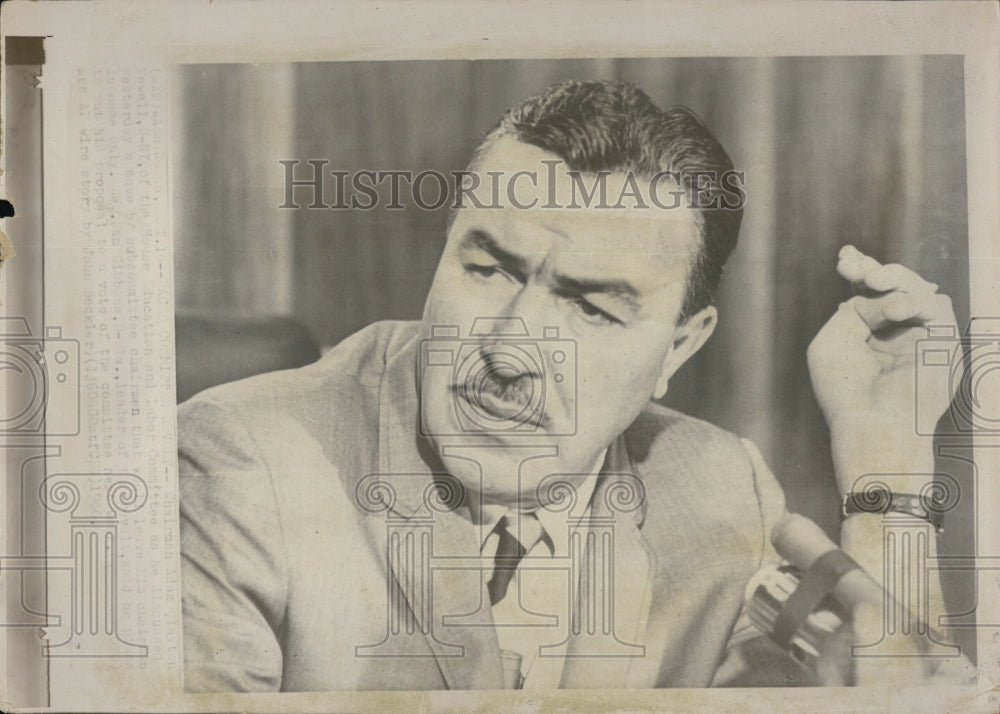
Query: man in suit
point(490, 497)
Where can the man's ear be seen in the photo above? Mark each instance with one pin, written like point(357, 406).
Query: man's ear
point(688, 339)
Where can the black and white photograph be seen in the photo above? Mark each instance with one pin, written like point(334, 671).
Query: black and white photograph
point(517, 462)
point(415, 371)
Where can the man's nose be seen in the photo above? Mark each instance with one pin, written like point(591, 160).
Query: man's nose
point(529, 305)
point(507, 366)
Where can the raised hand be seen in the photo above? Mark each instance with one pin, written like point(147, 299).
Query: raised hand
point(863, 365)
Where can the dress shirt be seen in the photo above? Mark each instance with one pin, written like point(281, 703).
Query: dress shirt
point(535, 612)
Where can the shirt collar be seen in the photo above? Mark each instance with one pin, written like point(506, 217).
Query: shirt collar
point(555, 523)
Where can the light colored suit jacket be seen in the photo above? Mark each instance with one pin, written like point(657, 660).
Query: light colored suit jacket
point(306, 534)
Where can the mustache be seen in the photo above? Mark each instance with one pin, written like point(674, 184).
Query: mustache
point(513, 392)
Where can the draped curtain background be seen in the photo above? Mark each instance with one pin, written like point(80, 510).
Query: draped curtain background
point(862, 150)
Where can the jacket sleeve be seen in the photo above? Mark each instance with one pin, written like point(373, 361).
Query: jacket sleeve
point(233, 564)
point(751, 659)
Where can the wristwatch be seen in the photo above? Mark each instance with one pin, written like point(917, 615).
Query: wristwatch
point(882, 500)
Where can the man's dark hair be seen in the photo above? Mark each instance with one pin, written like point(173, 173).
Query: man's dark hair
point(613, 126)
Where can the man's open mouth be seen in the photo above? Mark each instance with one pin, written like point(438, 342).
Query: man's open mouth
point(498, 400)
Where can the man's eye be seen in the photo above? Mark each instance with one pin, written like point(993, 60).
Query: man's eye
point(483, 271)
point(593, 314)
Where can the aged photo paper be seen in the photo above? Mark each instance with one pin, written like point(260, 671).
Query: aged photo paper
point(600, 356)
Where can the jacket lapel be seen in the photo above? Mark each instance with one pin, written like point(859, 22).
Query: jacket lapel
point(434, 554)
point(613, 599)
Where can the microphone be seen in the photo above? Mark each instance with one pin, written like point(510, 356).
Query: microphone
point(801, 542)
point(812, 627)
point(819, 613)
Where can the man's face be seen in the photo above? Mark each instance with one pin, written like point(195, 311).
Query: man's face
point(598, 292)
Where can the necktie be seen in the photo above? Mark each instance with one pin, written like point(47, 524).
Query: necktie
point(510, 550)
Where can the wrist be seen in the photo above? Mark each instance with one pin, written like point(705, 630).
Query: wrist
point(861, 448)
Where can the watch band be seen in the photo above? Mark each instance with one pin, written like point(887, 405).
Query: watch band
point(882, 500)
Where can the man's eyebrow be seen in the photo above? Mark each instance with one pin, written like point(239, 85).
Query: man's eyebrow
point(620, 290)
point(484, 241)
